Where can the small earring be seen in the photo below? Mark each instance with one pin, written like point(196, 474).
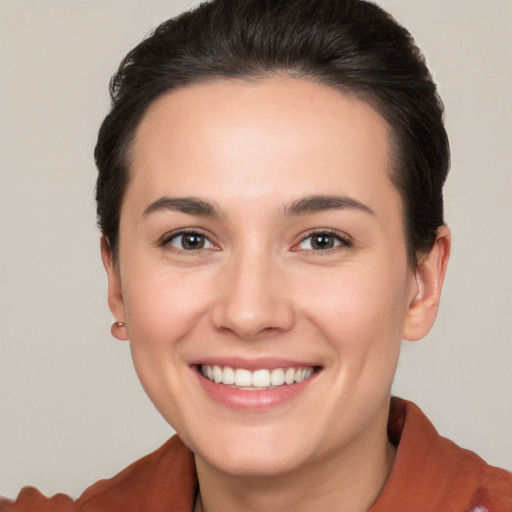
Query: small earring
point(116, 327)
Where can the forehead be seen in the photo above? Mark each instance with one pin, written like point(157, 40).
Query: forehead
point(278, 137)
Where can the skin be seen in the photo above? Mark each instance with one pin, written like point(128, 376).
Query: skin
point(259, 288)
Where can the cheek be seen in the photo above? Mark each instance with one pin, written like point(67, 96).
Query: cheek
point(164, 309)
point(357, 307)
point(163, 304)
point(360, 315)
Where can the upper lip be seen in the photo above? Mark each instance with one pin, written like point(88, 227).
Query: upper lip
point(252, 364)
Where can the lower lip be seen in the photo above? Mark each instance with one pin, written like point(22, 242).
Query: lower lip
point(255, 401)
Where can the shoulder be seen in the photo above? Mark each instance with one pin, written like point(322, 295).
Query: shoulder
point(30, 500)
point(431, 471)
point(495, 489)
point(164, 480)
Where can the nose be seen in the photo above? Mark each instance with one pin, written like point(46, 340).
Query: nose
point(254, 302)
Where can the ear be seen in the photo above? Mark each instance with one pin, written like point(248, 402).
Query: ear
point(115, 292)
point(429, 278)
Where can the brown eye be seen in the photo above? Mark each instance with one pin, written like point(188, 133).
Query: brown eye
point(190, 242)
point(323, 241)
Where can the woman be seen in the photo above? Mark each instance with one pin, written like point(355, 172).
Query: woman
point(270, 199)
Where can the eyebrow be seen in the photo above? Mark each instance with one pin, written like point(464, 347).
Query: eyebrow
point(309, 204)
point(320, 203)
point(190, 205)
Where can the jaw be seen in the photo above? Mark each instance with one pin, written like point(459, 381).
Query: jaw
point(298, 479)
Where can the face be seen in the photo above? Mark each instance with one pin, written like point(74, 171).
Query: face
point(263, 271)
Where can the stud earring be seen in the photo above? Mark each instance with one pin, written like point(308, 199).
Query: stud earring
point(116, 327)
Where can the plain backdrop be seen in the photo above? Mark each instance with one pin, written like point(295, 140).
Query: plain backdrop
point(71, 408)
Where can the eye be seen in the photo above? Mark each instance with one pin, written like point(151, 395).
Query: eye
point(189, 241)
point(323, 241)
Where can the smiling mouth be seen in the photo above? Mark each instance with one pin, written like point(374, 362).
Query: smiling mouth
point(243, 379)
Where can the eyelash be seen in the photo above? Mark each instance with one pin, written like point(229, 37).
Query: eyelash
point(339, 241)
point(167, 239)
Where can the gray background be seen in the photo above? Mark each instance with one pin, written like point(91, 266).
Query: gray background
point(71, 408)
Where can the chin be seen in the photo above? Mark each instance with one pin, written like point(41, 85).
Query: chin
point(253, 453)
point(254, 465)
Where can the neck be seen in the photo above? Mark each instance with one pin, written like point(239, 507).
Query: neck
point(348, 479)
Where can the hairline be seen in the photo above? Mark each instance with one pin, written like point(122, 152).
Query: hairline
point(126, 157)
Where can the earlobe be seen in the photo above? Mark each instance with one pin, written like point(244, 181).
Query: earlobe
point(115, 292)
point(429, 277)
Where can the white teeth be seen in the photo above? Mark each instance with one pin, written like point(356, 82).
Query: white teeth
point(289, 376)
point(277, 377)
point(217, 374)
point(243, 378)
point(259, 379)
point(303, 373)
point(229, 375)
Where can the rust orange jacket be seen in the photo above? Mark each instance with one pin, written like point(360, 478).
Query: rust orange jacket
point(430, 474)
